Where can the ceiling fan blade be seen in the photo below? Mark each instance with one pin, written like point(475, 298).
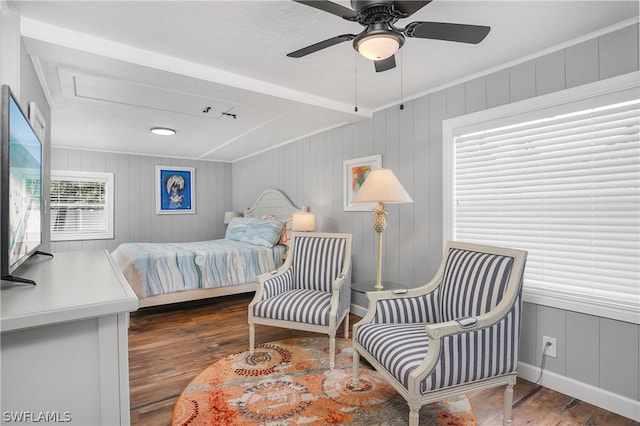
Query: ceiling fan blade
point(385, 64)
point(320, 45)
point(409, 7)
point(333, 8)
point(462, 33)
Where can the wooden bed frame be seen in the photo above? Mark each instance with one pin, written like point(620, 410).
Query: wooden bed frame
point(270, 202)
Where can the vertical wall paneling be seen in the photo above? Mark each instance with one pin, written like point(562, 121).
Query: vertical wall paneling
point(618, 52)
point(124, 185)
point(391, 239)
point(619, 366)
point(550, 73)
point(475, 95)
point(498, 88)
point(582, 341)
point(147, 198)
point(420, 193)
point(528, 335)
point(522, 81)
point(406, 212)
point(437, 113)
point(134, 204)
point(582, 63)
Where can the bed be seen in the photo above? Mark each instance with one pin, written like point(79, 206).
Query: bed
point(163, 273)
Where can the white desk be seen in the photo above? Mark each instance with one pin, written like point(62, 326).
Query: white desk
point(64, 342)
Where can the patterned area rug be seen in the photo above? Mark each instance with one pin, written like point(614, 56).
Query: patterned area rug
point(288, 382)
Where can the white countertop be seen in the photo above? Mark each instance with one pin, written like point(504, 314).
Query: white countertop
point(70, 286)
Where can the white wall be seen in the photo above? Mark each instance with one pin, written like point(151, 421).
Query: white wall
point(597, 357)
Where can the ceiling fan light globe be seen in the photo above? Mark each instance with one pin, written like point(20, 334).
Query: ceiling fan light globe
point(378, 47)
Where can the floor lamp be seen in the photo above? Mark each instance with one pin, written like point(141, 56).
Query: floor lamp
point(381, 186)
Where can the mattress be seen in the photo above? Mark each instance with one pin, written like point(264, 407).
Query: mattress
point(160, 268)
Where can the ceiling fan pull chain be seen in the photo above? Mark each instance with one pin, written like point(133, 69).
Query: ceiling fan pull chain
point(401, 80)
point(355, 66)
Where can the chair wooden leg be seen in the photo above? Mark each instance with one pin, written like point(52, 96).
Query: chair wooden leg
point(252, 338)
point(332, 352)
point(346, 326)
point(508, 402)
point(414, 413)
point(355, 378)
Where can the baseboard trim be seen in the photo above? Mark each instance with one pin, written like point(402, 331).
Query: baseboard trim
point(607, 400)
point(358, 310)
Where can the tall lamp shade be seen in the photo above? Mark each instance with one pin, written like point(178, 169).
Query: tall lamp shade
point(381, 186)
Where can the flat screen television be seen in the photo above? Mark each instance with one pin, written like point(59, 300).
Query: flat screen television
point(21, 188)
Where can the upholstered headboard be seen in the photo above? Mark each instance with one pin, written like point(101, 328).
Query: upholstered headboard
point(273, 202)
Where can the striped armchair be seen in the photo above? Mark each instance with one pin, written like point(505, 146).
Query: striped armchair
point(458, 333)
point(311, 291)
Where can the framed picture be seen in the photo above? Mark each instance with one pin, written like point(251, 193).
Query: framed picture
point(354, 173)
point(175, 190)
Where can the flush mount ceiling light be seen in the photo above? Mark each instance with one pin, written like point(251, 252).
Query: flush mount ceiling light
point(163, 131)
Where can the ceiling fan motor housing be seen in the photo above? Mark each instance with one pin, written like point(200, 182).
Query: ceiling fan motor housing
point(361, 5)
point(370, 12)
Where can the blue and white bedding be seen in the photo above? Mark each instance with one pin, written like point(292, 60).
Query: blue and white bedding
point(160, 268)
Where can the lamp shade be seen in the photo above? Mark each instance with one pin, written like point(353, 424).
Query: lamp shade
point(230, 215)
point(382, 186)
point(303, 221)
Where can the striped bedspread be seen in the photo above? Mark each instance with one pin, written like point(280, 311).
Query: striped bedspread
point(159, 268)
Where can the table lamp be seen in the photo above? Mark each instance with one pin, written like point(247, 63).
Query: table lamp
point(303, 221)
point(230, 215)
point(381, 186)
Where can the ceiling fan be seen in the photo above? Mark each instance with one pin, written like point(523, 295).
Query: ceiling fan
point(380, 38)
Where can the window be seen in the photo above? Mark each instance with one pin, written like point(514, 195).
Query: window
point(561, 181)
point(81, 205)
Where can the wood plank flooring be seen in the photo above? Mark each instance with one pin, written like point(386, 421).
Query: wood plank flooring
point(169, 346)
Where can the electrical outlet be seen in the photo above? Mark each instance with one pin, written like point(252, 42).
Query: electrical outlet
point(551, 349)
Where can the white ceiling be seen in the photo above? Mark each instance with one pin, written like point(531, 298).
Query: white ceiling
point(114, 69)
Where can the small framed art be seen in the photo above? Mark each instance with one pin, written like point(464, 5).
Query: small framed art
point(354, 173)
point(175, 190)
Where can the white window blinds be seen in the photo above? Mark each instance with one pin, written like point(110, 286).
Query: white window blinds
point(81, 206)
point(566, 188)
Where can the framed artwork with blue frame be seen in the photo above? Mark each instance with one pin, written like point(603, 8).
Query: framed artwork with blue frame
point(175, 190)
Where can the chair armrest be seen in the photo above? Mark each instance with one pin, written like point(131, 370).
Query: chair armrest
point(417, 305)
point(471, 323)
point(341, 281)
point(273, 283)
point(341, 294)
